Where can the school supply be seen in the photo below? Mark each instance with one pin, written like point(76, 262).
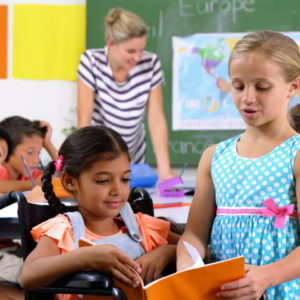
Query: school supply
point(171, 204)
point(168, 188)
point(199, 282)
point(59, 190)
point(142, 175)
point(183, 169)
point(27, 169)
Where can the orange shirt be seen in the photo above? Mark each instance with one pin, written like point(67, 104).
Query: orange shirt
point(154, 234)
point(4, 175)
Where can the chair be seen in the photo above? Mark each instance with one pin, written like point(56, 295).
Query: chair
point(9, 230)
point(93, 282)
point(140, 201)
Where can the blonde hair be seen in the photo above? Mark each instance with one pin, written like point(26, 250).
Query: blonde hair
point(122, 25)
point(275, 46)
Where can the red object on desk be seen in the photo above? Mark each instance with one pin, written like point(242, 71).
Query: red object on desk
point(171, 204)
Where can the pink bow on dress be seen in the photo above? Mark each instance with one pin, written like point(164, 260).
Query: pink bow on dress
point(281, 213)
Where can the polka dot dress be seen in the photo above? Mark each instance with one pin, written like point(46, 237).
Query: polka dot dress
point(246, 183)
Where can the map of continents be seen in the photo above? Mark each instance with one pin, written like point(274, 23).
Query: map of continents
point(201, 84)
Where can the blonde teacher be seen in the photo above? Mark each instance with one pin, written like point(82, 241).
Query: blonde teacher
point(118, 83)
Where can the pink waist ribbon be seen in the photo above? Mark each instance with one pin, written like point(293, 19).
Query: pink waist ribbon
point(270, 210)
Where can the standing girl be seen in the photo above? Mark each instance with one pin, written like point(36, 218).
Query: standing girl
point(95, 167)
point(118, 83)
point(247, 195)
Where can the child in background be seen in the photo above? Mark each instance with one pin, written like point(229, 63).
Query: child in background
point(29, 137)
point(6, 145)
point(10, 254)
point(121, 83)
point(95, 167)
point(247, 193)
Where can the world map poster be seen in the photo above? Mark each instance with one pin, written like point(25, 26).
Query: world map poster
point(201, 83)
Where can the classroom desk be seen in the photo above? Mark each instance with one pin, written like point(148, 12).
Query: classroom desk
point(9, 224)
point(176, 209)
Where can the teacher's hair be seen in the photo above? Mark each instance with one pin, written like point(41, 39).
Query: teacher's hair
point(122, 25)
point(274, 46)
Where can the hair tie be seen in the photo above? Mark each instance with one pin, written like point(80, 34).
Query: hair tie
point(59, 163)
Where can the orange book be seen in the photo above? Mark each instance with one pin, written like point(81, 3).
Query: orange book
point(200, 283)
point(195, 283)
point(59, 190)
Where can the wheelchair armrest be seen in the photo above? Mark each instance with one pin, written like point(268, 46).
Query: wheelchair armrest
point(85, 280)
point(7, 199)
point(141, 201)
point(92, 283)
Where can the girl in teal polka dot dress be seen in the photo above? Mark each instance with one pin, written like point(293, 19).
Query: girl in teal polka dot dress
point(247, 195)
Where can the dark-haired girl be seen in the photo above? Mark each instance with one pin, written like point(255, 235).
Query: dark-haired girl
point(95, 167)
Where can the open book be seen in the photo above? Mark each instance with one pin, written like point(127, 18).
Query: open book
point(195, 283)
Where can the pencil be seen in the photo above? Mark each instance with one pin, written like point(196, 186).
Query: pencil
point(183, 169)
point(171, 204)
point(27, 169)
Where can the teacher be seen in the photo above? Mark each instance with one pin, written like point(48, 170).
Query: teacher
point(118, 83)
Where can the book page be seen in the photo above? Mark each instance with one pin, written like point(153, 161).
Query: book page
point(132, 293)
point(83, 242)
point(194, 254)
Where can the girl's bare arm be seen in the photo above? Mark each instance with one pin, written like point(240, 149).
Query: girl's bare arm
point(45, 264)
point(201, 213)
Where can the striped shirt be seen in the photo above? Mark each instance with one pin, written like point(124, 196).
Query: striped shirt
point(121, 106)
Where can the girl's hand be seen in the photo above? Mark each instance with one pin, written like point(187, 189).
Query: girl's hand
point(36, 195)
point(47, 143)
point(252, 286)
point(110, 259)
point(152, 263)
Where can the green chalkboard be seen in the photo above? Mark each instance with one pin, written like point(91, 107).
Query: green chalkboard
point(167, 18)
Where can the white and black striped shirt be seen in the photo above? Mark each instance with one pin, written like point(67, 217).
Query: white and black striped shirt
point(121, 106)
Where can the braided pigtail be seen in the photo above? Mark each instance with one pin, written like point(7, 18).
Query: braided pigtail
point(47, 188)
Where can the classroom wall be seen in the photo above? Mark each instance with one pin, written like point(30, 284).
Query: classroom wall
point(49, 100)
point(54, 101)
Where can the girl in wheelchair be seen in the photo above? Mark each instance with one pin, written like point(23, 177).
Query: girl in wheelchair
point(94, 166)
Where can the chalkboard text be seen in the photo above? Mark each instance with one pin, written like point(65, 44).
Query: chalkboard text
point(156, 30)
point(226, 7)
point(190, 147)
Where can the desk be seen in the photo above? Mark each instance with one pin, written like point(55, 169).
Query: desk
point(9, 224)
point(178, 214)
